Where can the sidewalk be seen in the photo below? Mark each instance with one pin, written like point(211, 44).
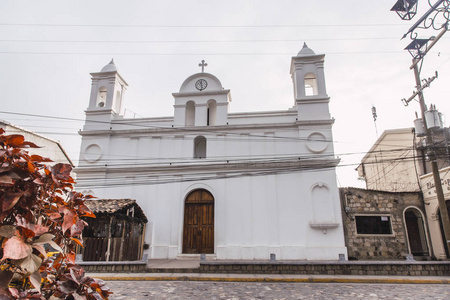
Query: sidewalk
point(270, 278)
point(165, 274)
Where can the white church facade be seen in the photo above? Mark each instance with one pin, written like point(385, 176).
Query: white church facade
point(238, 186)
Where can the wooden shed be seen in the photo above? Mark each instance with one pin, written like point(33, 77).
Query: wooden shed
point(117, 232)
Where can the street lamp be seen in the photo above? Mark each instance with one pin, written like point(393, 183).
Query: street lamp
point(406, 9)
point(418, 48)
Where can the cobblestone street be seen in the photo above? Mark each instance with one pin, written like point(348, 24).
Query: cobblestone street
point(131, 290)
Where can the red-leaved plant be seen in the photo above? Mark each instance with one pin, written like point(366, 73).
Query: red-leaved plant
point(39, 209)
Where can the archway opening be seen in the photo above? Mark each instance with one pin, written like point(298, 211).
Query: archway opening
point(101, 96)
point(311, 85)
point(447, 252)
point(416, 232)
point(212, 112)
point(190, 113)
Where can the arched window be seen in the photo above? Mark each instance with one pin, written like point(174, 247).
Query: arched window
point(310, 85)
point(200, 147)
point(101, 97)
point(190, 113)
point(212, 112)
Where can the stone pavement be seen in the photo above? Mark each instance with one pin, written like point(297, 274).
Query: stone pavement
point(186, 290)
point(171, 285)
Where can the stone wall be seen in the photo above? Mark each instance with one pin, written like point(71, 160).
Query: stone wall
point(394, 268)
point(361, 202)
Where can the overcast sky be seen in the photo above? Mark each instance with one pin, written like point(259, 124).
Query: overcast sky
point(48, 48)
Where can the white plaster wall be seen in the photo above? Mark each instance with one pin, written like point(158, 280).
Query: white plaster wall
point(254, 216)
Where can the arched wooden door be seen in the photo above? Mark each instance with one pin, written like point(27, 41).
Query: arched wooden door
point(198, 231)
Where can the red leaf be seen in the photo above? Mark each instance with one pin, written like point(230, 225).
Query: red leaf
point(53, 215)
point(39, 181)
point(10, 199)
point(86, 211)
point(14, 292)
point(79, 242)
point(61, 170)
point(35, 280)
point(5, 179)
point(14, 140)
point(16, 248)
point(77, 228)
point(71, 257)
point(70, 218)
point(31, 167)
point(35, 228)
point(29, 145)
point(38, 158)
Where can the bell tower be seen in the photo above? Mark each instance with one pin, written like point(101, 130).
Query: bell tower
point(107, 92)
point(310, 93)
point(201, 101)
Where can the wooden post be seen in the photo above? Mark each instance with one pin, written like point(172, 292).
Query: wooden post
point(121, 241)
point(141, 245)
point(108, 252)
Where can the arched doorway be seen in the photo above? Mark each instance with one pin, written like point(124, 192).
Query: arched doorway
point(416, 232)
point(198, 231)
point(447, 251)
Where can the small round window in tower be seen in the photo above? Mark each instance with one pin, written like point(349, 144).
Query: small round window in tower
point(316, 142)
point(201, 84)
point(92, 153)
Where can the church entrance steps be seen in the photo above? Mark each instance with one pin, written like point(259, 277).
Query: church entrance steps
point(196, 257)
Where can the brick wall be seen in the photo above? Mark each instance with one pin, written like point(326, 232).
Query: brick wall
point(361, 202)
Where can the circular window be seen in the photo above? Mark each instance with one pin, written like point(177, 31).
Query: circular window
point(92, 153)
point(317, 142)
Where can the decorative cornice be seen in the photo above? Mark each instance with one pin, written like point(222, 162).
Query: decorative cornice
point(205, 167)
point(214, 130)
point(202, 93)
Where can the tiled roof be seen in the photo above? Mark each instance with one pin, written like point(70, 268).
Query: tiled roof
point(110, 206)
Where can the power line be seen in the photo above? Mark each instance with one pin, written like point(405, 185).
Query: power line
point(245, 138)
point(196, 41)
point(197, 26)
point(193, 54)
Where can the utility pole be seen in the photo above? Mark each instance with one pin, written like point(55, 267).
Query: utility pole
point(433, 160)
point(418, 48)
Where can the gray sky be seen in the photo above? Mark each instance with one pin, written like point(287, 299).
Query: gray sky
point(48, 48)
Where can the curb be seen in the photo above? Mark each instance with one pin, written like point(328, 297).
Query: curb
point(287, 280)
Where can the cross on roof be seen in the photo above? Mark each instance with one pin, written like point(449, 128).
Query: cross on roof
point(203, 65)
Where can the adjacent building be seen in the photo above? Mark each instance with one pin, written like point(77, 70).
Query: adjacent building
point(398, 163)
point(47, 147)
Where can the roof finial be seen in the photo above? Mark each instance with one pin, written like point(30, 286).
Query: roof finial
point(111, 67)
point(306, 51)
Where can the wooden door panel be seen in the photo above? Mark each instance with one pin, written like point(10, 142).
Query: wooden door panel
point(198, 232)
